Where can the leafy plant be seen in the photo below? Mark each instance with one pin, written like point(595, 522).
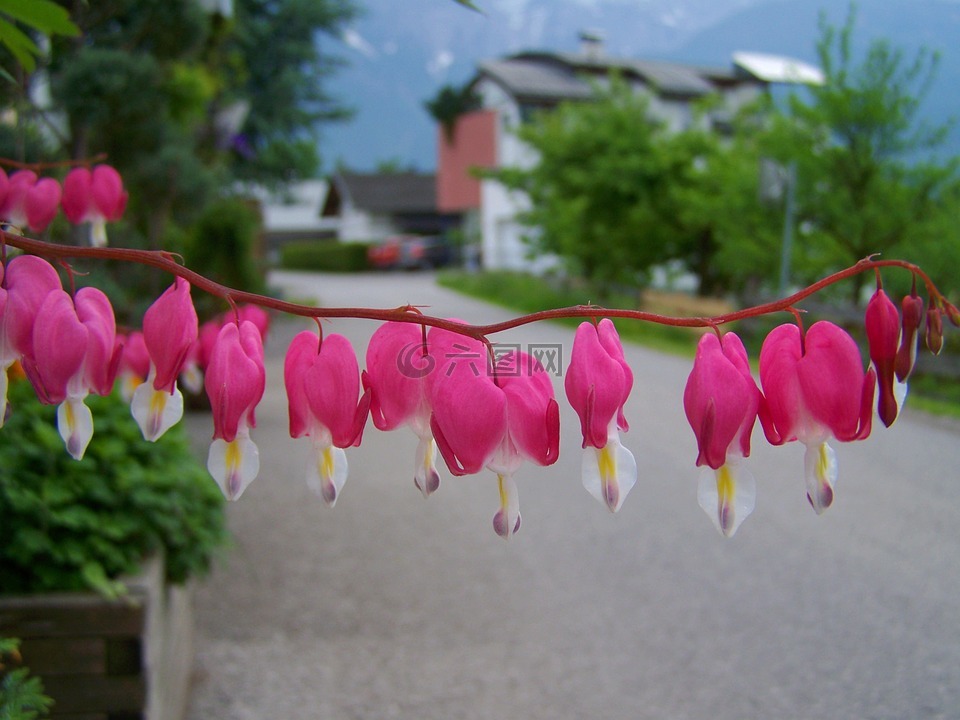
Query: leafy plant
point(222, 246)
point(43, 16)
point(21, 696)
point(70, 525)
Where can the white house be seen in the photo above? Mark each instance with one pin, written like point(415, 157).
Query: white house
point(513, 88)
point(375, 206)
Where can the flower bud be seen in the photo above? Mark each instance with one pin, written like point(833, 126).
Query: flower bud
point(952, 312)
point(934, 334)
point(883, 334)
point(912, 311)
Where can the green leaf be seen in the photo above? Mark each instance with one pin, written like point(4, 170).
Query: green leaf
point(21, 46)
point(95, 576)
point(43, 15)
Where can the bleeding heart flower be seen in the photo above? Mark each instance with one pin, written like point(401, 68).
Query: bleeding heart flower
point(598, 383)
point(323, 383)
point(496, 420)
point(235, 380)
point(721, 401)
point(74, 344)
point(398, 363)
point(30, 202)
point(883, 338)
point(95, 197)
point(134, 364)
point(169, 328)
point(24, 285)
point(815, 389)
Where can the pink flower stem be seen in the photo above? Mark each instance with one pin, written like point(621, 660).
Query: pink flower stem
point(167, 262)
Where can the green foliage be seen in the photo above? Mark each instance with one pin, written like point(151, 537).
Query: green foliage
point(40, 16)
point(137, 90)
point(450, 102)
point(870, 178)
point(78, 525)
point(724, 235)
point(275, 63)
point(222, 245)
point(21, 696)
point(595, 192)
point(527, 293)
point(325, 256)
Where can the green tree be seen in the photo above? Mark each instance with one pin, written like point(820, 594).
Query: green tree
point(274, 62)
point(869, 177)
point(724, 235)
point(450, 102)
point(595, 192)
point(20, 19)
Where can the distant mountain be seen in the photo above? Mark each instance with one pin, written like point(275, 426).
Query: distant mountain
point(401, 53)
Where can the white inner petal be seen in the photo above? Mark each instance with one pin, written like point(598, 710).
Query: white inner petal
point(233, 464)
point(327, 472)
point(727, 495)
point(820, 474)
point(156, 411)
point(609, 473)
point(75, 423)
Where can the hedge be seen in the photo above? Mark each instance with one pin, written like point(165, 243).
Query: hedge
point(328, 256)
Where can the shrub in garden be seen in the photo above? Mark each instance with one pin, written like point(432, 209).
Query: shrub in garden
point(79, 525)
point(222, 245)
point(325, 256)
point(21, 695)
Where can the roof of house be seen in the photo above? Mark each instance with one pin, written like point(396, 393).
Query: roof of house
point(551, 77)
point(403, 192)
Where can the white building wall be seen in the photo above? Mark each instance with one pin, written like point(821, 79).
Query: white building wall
point(359, 226)
point(501, 235)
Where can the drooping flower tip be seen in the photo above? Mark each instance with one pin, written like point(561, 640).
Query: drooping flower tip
point(953, 313)
point(912, 314)
point(883, 337)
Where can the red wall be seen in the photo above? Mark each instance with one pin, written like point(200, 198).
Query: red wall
point(474, 145)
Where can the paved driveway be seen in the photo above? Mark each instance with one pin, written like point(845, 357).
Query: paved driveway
point(392, 606)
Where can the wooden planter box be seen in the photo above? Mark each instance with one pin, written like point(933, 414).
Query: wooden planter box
point(127, 659)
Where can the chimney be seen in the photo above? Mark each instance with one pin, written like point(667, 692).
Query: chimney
point(591, 44)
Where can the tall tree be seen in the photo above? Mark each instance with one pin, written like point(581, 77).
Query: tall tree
point(276, 64)
point(595, 187)
point(870, 177)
